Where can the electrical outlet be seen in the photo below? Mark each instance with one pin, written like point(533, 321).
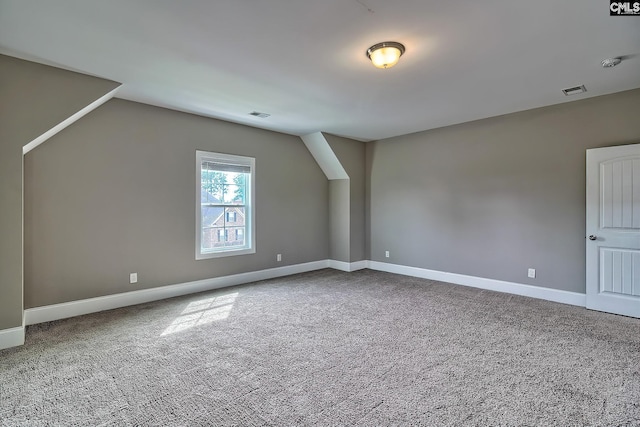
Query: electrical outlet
point(133, 278)
point(386, 254)
point(532, 273)
point(279, 257)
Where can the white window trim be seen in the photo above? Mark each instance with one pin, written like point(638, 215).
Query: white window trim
point(250, 222)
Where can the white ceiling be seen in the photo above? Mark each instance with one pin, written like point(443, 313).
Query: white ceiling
point(303, 61)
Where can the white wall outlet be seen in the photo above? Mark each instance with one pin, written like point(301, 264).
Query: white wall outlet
point(133, 278)
point(386, 254)
point(532, 273)
point(279, 257)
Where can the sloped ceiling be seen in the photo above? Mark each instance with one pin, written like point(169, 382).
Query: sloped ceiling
point(304, 61)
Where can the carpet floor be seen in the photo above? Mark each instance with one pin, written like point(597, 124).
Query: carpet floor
point(328, 348)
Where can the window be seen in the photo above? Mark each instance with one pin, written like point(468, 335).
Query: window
point(224, 201)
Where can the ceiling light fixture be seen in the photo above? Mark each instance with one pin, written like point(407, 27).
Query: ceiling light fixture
point(611, 62)
point(385, 54)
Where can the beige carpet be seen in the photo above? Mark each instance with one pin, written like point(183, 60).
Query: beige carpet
point(329, 348)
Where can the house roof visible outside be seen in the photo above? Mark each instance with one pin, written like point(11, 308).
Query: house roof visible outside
point(304, 61)
point(212, 215)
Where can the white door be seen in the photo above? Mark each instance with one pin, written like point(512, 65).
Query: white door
point(613, 229)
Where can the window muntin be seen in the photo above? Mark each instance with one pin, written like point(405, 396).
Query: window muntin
point(224, 199)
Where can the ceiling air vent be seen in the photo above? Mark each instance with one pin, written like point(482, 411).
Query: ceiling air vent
point(574, 90)
point(259, 114)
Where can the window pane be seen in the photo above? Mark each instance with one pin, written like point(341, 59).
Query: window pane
point(239, 191)
point(233, 194)
point(207, 239)
point(240, 179)
point(212, 237)
point(218, 186)
point(212, 216)
point(235, 236)
point(212, 186)
point(240, 215)
point(231, 216)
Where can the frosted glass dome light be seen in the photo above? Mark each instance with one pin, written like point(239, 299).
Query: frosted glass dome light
point(385, 54)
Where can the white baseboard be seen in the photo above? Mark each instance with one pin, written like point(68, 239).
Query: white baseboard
point(15, 336)
point(92, 305)
point(555, 295)
point(11, 337)
point(348, 266)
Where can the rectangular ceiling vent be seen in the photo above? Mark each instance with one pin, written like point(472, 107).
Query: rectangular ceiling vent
point(259, 114)
point(574, 90)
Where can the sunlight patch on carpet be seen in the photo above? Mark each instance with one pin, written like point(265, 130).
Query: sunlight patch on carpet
point(202, 312)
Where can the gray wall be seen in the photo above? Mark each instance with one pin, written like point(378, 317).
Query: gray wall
point(493, 197)
point(351, 154)
point(339, 220)
point(33, 99)
point(114, 194)
point(368, 163)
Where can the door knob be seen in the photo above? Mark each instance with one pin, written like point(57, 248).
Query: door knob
point(592, 237)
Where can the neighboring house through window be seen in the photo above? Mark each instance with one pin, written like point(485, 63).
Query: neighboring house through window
point(224, 214)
